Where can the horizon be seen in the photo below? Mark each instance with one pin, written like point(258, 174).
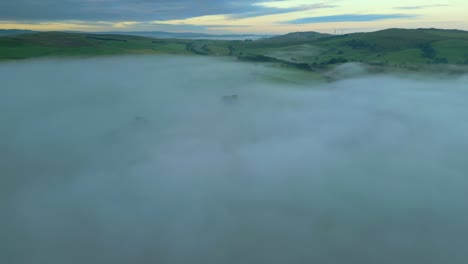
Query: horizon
point(224, 17)
point(224, 34)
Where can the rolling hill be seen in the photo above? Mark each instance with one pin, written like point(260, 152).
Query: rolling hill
point(295, 37)
point(84, 44)
point(403, 48)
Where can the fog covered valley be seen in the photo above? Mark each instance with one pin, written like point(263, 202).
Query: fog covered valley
point(142, 160)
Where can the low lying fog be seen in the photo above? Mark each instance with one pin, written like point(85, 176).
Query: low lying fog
point(140, 160)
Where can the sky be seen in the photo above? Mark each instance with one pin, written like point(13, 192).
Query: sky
point(241, 16)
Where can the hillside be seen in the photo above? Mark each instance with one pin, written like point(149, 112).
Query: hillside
point(81, 44)
point(399, 46)
point(295, 37)
point(403, 48)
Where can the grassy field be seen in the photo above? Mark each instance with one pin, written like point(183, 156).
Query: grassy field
point(394, 48)
point(67, 44)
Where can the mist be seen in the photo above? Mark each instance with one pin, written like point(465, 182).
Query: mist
point(140, 160)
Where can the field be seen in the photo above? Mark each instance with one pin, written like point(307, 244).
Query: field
point(70, 44)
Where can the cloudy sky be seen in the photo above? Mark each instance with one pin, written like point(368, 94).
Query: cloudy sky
point(229, 16)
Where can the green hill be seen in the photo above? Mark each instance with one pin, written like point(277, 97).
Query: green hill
point(295, 37)
point(81, 44)
point(403, 48)
point(399, 46)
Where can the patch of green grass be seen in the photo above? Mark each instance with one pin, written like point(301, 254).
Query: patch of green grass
point(67, 44)
point(454, 50)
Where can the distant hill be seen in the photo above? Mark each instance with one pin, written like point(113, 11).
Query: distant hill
point(10, 32)
point(186, 35)
point(296, 37)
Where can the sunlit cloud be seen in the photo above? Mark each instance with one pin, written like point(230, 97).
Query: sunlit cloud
point(418, 7)
point(56, 25)
point(348, 18)
point(126, 24)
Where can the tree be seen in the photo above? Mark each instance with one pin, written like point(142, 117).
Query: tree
point(428, 51)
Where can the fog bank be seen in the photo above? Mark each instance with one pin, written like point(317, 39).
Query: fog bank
point(139, 160)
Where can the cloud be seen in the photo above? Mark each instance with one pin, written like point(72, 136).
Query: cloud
point(418, 7)
point(348, 18)
point(128, 10)
point(262, 11)
point(153, 26)
point(137, 160)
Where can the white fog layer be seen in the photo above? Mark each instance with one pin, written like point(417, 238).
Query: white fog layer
point(142, 160)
